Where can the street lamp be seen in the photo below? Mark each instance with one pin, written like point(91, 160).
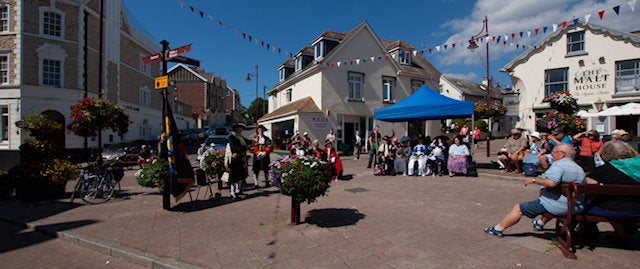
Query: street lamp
point(248, 79)
point(473, 45)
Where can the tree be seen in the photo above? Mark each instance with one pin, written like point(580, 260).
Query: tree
point(257, 109)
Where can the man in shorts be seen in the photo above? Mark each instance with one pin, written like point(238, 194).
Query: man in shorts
point(563, 170)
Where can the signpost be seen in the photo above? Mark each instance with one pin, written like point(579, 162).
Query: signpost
point(161, 83)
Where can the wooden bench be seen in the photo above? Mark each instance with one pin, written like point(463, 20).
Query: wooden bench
point(565, 225)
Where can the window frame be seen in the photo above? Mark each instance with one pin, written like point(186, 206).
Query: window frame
point(45, 77)
point(281, 73)
point(388, 87)
point(4, 124)
point(402, 59)
point(145, 68)
point(351, 94)
point(548, 83)
point(288, 95)
point(298, 63)
point(5, 74)
point(144, 96)
point(571, 44)
point(318, 50)
point(633, 76)
point(51, 10)
point(5, 18)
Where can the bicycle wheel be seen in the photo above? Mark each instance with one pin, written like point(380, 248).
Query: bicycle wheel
point(97, 190)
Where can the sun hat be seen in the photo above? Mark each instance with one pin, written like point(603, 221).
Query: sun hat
point(515, 131)
point(536, 135)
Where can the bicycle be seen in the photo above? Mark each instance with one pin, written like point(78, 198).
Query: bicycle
point(94, 185)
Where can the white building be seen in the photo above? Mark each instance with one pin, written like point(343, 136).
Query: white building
point(339, 81)
point(593, 63)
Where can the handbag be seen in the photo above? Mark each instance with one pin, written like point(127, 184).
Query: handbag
point(225, 177)
point(597, 160)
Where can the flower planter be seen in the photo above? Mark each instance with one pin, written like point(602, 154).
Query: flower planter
point(37, 190)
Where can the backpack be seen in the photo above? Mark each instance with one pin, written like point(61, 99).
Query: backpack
point(530, 169)
point(377, 169)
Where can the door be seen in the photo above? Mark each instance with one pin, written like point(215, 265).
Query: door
point(349, 136)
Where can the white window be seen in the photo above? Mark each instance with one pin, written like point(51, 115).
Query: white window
point(405, 57)
point(319, 50)
point(575, 42)
point(4, 18)
point(355, 86)
point(628, 76)
point(4, 68)
point(388, 88)
point(288, 95)
point(555, 80)
point(51, 73)
point(145, 96)
point(4, 132)
point(51, 22)
point(144, 67)
point(281, 74)
point(299, 63)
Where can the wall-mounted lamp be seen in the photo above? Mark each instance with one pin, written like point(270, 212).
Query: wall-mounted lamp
point(598, 104)
point(581, 63)
point(601, 60)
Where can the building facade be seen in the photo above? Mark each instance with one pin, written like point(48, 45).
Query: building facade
point(203, 91)
point(338, 82)
point(50, 55)
point(595, 64)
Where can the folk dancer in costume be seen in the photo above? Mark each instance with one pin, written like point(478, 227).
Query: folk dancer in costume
point(315, 150)
point(333, 158)
point(262, 147)
point(238, 159)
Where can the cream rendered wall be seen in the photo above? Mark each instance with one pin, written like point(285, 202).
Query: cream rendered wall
point(528, 77)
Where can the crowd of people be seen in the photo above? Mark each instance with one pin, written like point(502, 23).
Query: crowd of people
point(584, 158)
point(301, 145)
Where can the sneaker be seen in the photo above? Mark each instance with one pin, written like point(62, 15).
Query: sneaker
point(493, 231)
point(536, 226)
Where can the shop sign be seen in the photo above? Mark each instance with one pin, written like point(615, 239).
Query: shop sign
point(591, 81)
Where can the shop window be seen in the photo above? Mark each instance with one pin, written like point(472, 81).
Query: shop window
point(628, 76)
point(555, 80)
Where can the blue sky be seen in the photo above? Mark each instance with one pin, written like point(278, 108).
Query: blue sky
point(291, 25)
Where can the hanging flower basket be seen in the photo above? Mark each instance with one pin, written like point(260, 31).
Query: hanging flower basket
point(302, 178)
point(484, 110)
point(562, 101)
point(91, 115)
point(564, 115)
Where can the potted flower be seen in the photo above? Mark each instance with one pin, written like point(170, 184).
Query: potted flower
point(563, 116)
point(485, 110)
point(302, 178)
point(42, 172)
point(152, 174)
point(214, 163)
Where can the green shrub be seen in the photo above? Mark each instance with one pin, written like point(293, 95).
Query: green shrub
point(153, 174)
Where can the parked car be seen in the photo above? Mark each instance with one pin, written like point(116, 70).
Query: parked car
point(221, 141)
point(221, 130)
point(121, 154)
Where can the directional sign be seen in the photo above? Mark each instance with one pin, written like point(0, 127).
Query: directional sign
point(172, 53)
point(185, 60)
point(162, 82)
point(153, 58)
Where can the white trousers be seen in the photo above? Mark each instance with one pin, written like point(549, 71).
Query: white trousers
point(422, 164)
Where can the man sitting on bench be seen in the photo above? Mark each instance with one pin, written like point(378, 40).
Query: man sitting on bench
point(563, 170)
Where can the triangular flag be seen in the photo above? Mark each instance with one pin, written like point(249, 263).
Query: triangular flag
point(564, 24)
point(498, 39)
point(453, 46)
point(437, 48)
point(506, 37)
point(220, 23)
point(244, 36)
point(504, 43)
point(357, 61)
point(493, 38)
point(379, 58)
point(364, 60)
point(268, 45)
point(575, 22)
point(331, 64)
point(616, 9)
point(262, 43)
point(536, 30)
point(601, 14)
point(517, 46)
point(586, 18)
point(350, 62)
point(181, 3)
point(345, 63)
point(429, 50)
point(373, 58)
point(445, 46)
point(191, 7)
point(555, 27)
point(279, 51)
point(632, 5)
point(544, 29)
point(513, 35)
point(521, 33)
point(528, 33)
point(210, 18)
point(201, 14)
point(250, 38)
point(415, 52)
point(386, 56)
point(338, 63)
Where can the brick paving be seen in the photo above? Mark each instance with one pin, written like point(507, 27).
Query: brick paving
point(366, 222)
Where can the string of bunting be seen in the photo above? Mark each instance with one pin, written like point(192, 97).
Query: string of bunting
point(250, 37)
point(503, 39)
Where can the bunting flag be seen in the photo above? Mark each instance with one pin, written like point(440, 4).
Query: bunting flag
point(182, 177)
point(632, 5)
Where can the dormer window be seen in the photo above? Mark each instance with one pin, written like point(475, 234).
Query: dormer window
point(298, 63)
point(405, 57)
point(281, 74)
point(319, 50)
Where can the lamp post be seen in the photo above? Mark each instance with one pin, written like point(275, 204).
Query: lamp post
point(248, 79)
point(472, 46)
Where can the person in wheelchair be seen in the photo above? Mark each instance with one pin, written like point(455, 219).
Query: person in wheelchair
point(436, 159)
point(418, 155)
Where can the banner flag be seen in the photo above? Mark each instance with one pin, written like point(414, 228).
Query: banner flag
point(601, 14)
point(182, 177)
point(586, 18)
point(632, 5)
point(616, 9)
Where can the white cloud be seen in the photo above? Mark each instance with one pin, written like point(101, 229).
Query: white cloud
point(468, 76)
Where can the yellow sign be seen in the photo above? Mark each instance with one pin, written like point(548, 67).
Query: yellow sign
point(162, 82)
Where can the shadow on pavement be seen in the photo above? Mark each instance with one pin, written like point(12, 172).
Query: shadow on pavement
point(333, 217)
point(197, 205)
point(14, 238)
